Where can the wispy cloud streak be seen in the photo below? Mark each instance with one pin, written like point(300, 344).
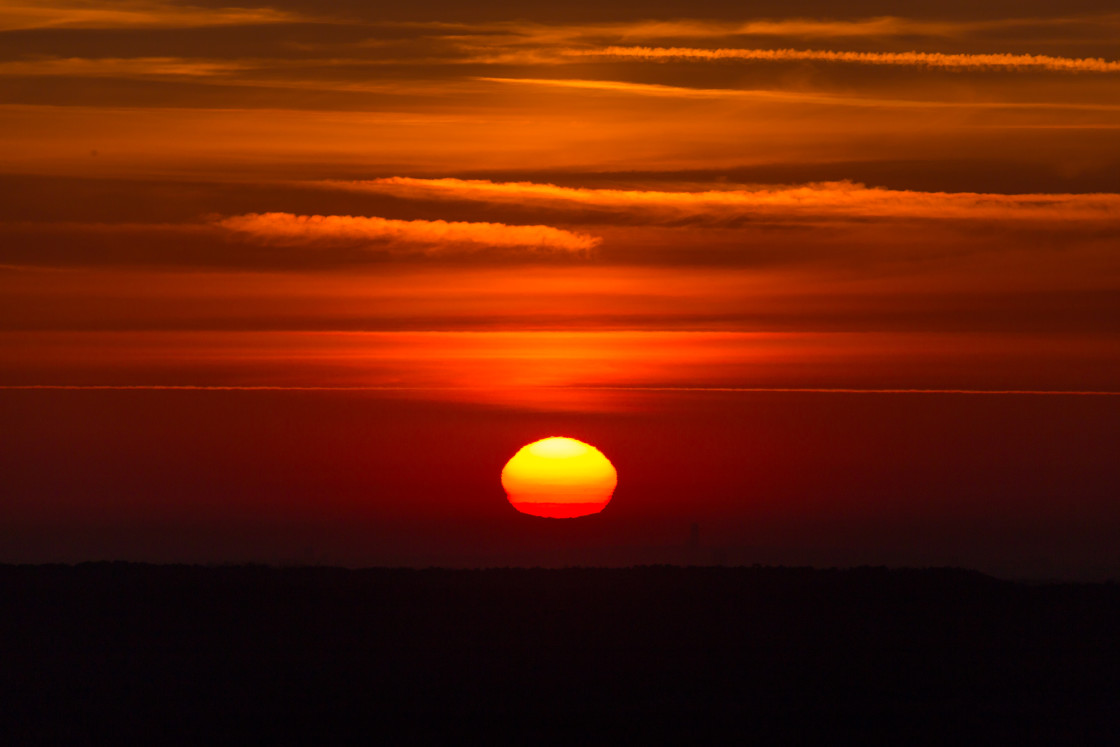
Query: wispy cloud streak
point(828, 199)
point(789, 97)
point(120, 67)
point(124, 15)
point(432, 235)
point(912, 59)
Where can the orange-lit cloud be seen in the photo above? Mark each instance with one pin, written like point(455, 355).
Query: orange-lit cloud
point(920, 59)
point(432, 235)
point(828, 199)
point(30, 14)
point(657, 89)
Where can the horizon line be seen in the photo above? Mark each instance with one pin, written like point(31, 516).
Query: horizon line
point(725, 389)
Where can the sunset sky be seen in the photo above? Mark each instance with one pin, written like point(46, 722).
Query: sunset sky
point(291, 283)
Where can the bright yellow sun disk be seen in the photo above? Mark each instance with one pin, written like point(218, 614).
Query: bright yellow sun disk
point(559, 478)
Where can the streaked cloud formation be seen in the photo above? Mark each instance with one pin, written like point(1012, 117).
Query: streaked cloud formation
point(450, 167)
point(156, 87)
point(430, 235)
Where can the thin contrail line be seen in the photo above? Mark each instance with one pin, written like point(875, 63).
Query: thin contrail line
point(835, 390)
point(921, 59)
point(760, 390)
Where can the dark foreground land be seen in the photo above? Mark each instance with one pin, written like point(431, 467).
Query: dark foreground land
point(121, 653)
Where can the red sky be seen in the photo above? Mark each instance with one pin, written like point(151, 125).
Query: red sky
point(292, 282)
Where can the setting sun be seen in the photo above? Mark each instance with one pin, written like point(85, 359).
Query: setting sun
point(559, 478)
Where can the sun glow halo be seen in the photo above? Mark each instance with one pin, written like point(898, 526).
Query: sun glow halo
point(559, 478)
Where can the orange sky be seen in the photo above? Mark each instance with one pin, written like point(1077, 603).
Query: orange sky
point(551, 209)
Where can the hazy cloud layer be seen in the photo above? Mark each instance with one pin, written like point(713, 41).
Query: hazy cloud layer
point(153, 87)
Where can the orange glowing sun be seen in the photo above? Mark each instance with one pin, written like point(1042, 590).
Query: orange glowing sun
point(559, 478)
